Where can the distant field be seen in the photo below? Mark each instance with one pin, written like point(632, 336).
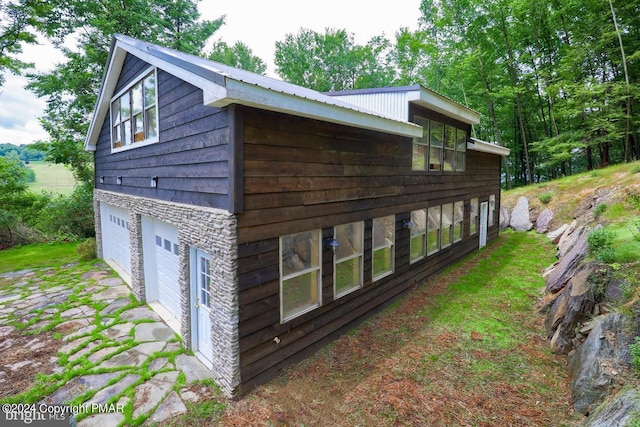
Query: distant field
point(51, 177)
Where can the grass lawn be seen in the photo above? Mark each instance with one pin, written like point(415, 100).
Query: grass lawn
point(51, 177)
point(37, 255)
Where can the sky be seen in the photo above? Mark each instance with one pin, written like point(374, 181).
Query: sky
point(257, 23)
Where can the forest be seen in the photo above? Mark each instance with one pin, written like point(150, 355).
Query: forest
point(555, 81)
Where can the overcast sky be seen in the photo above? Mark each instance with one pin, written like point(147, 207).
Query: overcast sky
point(257, 23)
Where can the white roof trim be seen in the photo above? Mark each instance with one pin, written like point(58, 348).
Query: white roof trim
point(443, 105)
point(487, 147)
point(222, 85)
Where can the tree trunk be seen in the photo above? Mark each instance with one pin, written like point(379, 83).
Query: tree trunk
point(626, 78)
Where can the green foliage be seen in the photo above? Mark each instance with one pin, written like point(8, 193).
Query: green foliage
point(633, 198)
point(635, 170)
point(599, 210)
point(239, 55)
point(26, 153)
point(634, 349)
point(600, 244)
point(545, 197)
point(69, 217)
point(37, 255)
point(87, 250)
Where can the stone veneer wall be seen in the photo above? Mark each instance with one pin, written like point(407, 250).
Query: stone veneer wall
point(210, 230)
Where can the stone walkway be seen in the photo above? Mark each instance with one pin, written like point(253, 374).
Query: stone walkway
point(114, 350)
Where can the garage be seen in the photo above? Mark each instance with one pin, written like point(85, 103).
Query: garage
point(116, 247)
point(161, 266)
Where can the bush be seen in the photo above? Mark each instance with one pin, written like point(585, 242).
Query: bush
point(599, 210)
point(545, 197)
point(70, 217)
point(634, 349)
point(87, 250)
point(635, 170)
point(600, 245)
point(633, 198)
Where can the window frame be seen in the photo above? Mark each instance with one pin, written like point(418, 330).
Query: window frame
point(474, 216)
point(458, 221)
point(437, 230)
point(292, 314)
point(423, 253)
point(421, 142)
point(492, 210)
point(446, 229)
point(127, 92)
point(350, 257)
point(391, 247)
point(452, 146)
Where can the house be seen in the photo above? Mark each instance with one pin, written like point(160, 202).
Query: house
point(261, 219)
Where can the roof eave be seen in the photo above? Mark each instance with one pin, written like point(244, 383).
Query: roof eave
point(436, 102)
point(486, 147)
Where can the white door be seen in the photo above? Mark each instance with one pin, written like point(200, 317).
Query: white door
point(484, 218)
point(115, 236)
point(201, 306)
point(160, 246)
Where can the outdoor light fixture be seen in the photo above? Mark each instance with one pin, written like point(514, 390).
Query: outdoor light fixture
point(102, 180)
point(119, 180)
point(332, 244)
point(154, 181)
point(407, 223)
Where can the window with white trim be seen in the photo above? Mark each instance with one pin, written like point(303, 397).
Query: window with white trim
point(446, 225)
point(433, 230)
point(134, 114)
point(473, 216)
point(300, 275)
point(492, 209)
point(458, 221)
point(442, 147)
point(383, 244)
point(417, 244)
point(421, 146)
point(348, 261)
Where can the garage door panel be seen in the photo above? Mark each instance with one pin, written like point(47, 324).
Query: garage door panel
point(116, 244)
point(164, 263)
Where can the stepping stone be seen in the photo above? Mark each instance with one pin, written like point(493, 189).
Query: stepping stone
point(6, 343)
point(119, 331)
point(157, 364)
point(193, 369)
point(96, 275)
point(117, 304)
point(78, 386)
point(111, 282)
point(135, 356)
point(6, 330)
point(170, 407)
point(81, 311)
point(35, 344)
point(102, 353)
point(84, 351)
point(113, 292)
point(18, 365)
point(148, 394)
point(139, 313)
point(157, 331)
point(113, 390)
point(72, 325)
point(9, 297)
point(14, 274)
point(82, 331)
point(106, 420)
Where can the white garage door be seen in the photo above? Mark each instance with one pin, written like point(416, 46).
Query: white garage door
point(161, 264)
point(115, 236)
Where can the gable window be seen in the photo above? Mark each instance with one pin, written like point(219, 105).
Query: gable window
point(433, 230)
point(383, 246)
point(435, 148)
point(299, 274)
point(421, 147)
point(348, 260)
point(447, 225)
point(442, 147)
point(134, 114)
point(458, 221)
point(417, 243)
point(461, 149)
point(473, 216)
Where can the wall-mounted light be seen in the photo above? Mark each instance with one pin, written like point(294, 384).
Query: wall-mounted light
point(102, 180)
point(332, 244)
point(154, 181)
point(119, 180)
point(407, 223)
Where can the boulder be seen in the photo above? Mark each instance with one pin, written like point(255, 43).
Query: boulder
point(570, 309)
point(619, 411)
point(595, 366)
point(504, 218)
point(564, 270)
point(555, 235)
point(568, 239)
point(544, 221)
point(520, 220)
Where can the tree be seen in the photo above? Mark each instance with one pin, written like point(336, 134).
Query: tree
point(239, 55)
point(15, 200)
point(71, 87)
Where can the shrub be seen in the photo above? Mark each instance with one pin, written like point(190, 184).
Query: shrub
point(635, 170)
point(87, 250)
point(600, 245)
point(545, 197)
point(71, 217)
point(633, 198)
point(599, 210)
point(634, 349)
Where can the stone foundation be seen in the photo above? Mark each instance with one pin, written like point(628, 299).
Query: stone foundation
point(213, 231)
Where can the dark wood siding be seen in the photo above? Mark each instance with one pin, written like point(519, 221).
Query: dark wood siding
point(191, 159)
point(301, 175)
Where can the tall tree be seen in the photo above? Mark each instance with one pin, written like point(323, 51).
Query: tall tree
point(239, 55)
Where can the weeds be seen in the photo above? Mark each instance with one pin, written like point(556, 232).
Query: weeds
point(599, 210)
point(545, 197)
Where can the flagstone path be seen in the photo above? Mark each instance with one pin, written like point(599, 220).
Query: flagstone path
point(80, 328)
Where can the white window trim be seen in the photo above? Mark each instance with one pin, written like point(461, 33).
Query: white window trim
point(435, 251)
point(318, 270)
point(450, 226)
point(424, 240)
point(336, 261)
point(145, 142)
point(392, 254)
point(459, 238)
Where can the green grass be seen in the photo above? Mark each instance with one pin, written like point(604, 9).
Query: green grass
point(37, 255)
point(52, 177)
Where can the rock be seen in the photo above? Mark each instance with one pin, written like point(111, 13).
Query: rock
point(520, 220)
point(193, 369)
point(544, 220)
point(619, 411)
point(504, 218)
point(594, 366)
point(156, 331)
point(569, 238)
point(170, 407)
point(564, 270)
point(555, 235)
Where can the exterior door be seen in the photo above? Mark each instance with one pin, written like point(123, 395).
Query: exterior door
point(201, 306)
point(484, 222)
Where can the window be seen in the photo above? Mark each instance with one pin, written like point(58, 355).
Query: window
point(461, 149)
point(134, 114)
point(435, 148)
point(418, 235)
point(433, 230)
point(300, 283)
point(449, 148)
point(205, 282)
point(492, 209)
point(446, 225)
point(442, 147)
point(421, 146)
point(473, 216)
point(383, 246)
point(458, 221)
point(348, 261)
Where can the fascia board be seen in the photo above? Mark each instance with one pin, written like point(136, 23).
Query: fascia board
point(485, 147)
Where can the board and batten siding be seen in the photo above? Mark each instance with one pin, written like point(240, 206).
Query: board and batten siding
point(191, 159)
point(302, 174)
